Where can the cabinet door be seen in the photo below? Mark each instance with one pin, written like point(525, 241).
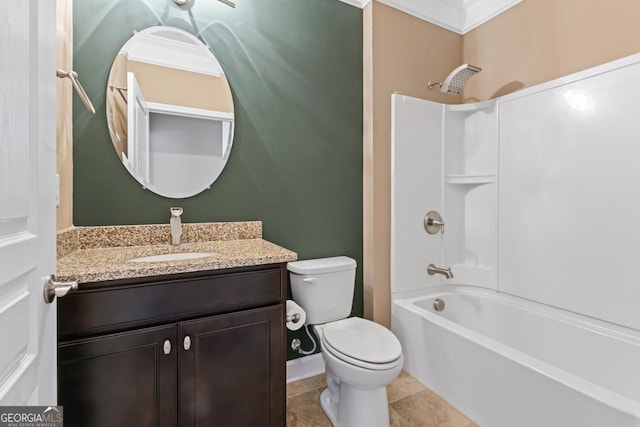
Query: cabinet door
point(233, 373)
point(124, 379)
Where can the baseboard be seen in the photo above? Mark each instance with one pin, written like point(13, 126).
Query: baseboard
point(304, 367)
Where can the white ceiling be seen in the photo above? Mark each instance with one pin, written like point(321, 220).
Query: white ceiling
point(459, 16)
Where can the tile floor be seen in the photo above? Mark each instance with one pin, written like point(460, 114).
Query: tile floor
point(410, 405)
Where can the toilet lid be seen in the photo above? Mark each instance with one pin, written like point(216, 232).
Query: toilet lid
point(363, 340)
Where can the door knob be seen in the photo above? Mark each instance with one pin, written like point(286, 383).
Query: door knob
point(53, 289)
point(187, 343)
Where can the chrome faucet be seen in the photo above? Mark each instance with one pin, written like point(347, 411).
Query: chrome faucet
point(446, 272)
point(175, 223)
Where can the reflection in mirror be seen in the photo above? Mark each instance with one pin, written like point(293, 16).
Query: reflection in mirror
point(170, 112)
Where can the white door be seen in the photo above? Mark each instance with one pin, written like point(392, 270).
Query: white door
point(27, 202)
point(138, 130)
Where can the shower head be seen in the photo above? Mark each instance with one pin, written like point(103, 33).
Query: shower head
point(456, 79)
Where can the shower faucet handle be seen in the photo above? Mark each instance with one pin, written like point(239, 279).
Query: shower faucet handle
point(433, 223)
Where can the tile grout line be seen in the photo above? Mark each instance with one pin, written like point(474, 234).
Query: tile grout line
point(316, 384)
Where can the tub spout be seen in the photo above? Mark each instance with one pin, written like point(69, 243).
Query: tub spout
point(446, 272)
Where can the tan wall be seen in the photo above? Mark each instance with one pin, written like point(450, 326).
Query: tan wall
point(64, 44)
point(540, 40)
point(117, 104)
point(187, 89)
point(401, 53)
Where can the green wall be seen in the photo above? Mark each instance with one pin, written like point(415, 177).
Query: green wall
point(295, 70)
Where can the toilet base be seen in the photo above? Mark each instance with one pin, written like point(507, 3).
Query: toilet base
point(355, 407)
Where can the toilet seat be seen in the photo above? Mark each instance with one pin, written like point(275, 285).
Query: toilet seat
point(362, 343)
point(360, 363)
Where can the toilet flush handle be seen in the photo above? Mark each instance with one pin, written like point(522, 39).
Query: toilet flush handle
point(309, 279)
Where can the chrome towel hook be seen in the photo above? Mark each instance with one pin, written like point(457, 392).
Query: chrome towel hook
point(73, 76)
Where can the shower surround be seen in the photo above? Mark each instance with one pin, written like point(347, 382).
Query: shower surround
point(539, 192)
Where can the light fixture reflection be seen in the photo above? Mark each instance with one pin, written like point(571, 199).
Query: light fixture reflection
point(578, 101)
point(183, 2)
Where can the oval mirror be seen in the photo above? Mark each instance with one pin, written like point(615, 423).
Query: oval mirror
point(170, 112)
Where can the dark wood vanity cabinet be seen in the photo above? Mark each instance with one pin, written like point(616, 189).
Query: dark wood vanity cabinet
point(201, 349)
point(227, 377)
point(119, 379)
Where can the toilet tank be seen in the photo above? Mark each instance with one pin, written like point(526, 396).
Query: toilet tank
point(323, 287)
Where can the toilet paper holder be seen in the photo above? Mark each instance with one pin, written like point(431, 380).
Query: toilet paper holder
point(294, 316)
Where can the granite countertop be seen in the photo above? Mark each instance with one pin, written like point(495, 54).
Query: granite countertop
point(99, 258)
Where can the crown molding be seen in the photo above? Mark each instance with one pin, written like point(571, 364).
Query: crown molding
point(477, 12)
point(458, 16)
point(439, 12)
point(175, 49)
point(357, 3)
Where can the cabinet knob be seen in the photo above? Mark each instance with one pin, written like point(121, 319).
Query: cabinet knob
point(166, 347)
point(187, 342)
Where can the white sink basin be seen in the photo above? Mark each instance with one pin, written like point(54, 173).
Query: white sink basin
point(180, 256)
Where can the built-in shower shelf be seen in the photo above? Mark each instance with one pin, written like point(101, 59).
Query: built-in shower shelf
point(471, 179)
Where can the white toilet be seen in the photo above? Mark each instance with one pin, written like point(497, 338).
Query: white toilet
point(361, 357)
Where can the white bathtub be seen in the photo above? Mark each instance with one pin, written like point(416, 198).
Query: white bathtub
point(508, 362)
